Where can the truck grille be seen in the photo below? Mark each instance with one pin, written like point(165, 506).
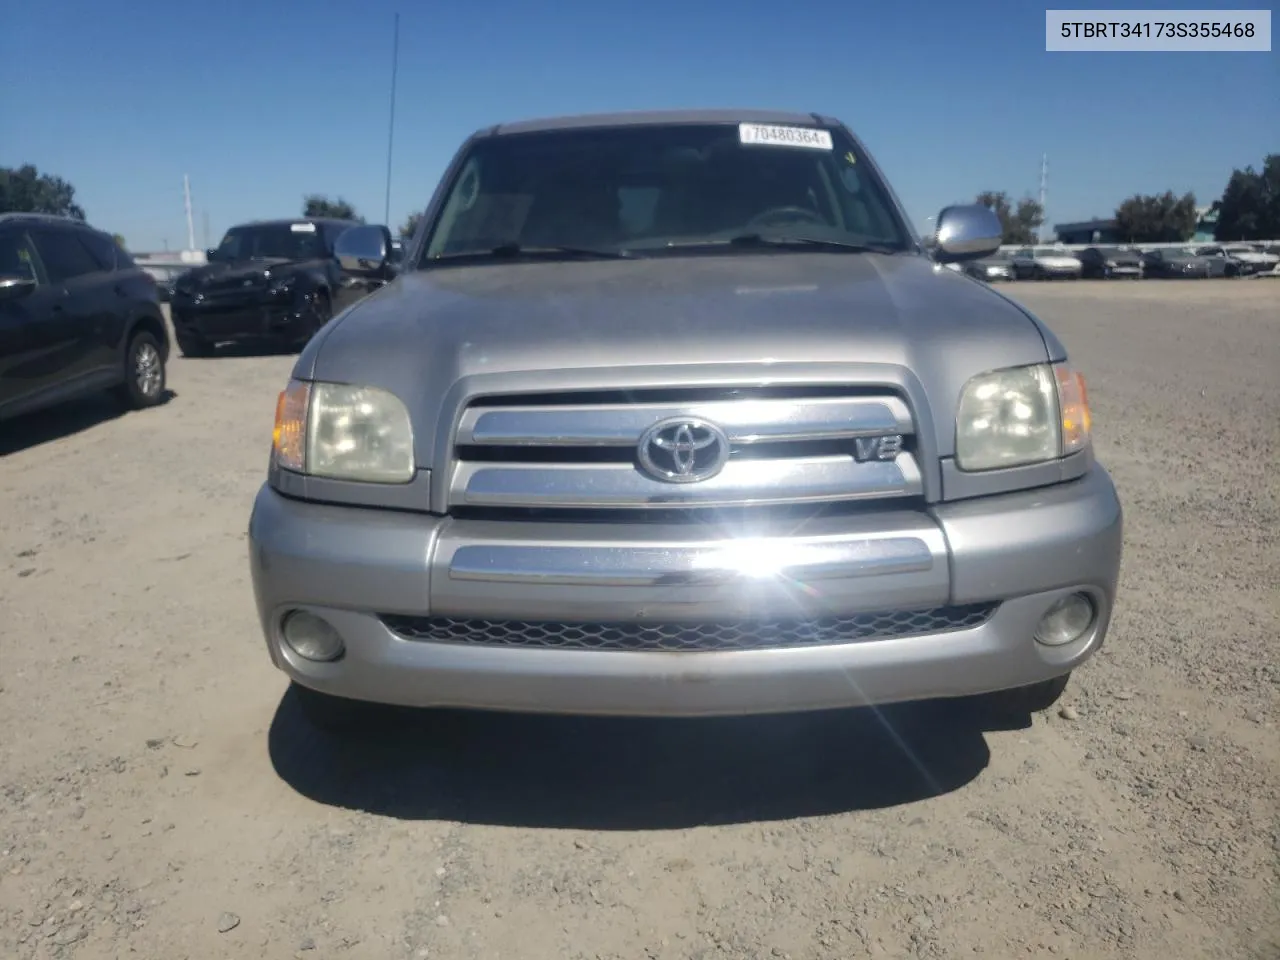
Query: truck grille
point(738, 448)
point(690, 637)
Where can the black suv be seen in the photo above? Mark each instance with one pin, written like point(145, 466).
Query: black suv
point(77, 315)
point(273, 280)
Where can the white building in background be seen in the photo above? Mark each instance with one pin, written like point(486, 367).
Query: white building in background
point(1206, 221)
point(192, 257)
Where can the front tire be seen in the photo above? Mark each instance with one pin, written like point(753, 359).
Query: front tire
point(144, 372)
point(194, 347)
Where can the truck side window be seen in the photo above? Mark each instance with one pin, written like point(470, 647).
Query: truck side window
point(64, 256)
point(18, 257)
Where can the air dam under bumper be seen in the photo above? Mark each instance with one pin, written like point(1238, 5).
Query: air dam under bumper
point(354, 567)
point(222, 322)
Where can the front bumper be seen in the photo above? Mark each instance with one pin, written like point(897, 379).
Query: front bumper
point(253, 318)
point(361, 569)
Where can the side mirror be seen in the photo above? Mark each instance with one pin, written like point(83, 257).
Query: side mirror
point(14, 287)
point(967, 233)
point(364, 250)
point(209, 253)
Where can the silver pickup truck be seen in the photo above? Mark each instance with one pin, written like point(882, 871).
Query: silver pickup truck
point(672, 414)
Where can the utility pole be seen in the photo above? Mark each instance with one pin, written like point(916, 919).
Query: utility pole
point(1044, 189)
point(191, 227)
point(391, 123)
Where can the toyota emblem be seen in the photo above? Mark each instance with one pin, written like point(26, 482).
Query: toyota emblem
point(683, 450)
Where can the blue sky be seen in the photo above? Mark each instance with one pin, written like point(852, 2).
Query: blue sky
point(262, 102)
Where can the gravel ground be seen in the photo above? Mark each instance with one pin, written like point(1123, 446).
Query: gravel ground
point(159, 798)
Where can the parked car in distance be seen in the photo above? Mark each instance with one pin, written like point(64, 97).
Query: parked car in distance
point(1045, 263)
point(1181, 263)
point(1105, 263)
point(1241, 259)
point(671, 413)
point(77, 316)
point(992, 269)
point(273, 280)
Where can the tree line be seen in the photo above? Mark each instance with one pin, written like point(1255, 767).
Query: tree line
point(318, 205)
point(1249, 208)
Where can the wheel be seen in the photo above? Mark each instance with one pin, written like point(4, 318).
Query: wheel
point(144, 376)
point(336, 715)
point(1020, 701)
point(193, 346)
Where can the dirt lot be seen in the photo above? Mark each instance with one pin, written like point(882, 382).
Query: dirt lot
point(159, 798)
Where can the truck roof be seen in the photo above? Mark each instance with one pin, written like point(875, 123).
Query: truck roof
point(51, 218)
point(643, 117)
point(283, 221)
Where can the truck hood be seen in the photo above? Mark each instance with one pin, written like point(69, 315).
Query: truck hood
point(434, 337)
point(223, 274)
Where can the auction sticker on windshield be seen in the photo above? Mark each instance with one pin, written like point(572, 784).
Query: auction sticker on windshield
point(302, 227)
point(777, 136)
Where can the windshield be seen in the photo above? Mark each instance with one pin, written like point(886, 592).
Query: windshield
point(287, 241)
point(650, 189)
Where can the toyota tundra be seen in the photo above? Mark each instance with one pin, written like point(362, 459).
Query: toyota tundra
point(673, 414)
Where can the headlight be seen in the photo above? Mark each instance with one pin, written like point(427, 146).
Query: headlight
point(343, 432)
point(1021, 416)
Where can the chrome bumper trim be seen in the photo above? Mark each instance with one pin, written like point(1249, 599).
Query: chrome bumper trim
point(710, 563)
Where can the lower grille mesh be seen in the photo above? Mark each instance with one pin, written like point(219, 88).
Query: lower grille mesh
point(690, 637)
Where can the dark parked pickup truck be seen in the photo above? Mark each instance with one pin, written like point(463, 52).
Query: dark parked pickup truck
point(275, 280)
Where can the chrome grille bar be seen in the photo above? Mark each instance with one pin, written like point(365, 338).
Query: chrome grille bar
point(744, 421)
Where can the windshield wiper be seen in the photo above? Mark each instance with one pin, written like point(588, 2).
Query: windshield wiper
point(513, 250)
point(783, 240)
point(769, 240)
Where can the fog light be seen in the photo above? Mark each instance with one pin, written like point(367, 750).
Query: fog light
point(1067, 620)
point(311, 637)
